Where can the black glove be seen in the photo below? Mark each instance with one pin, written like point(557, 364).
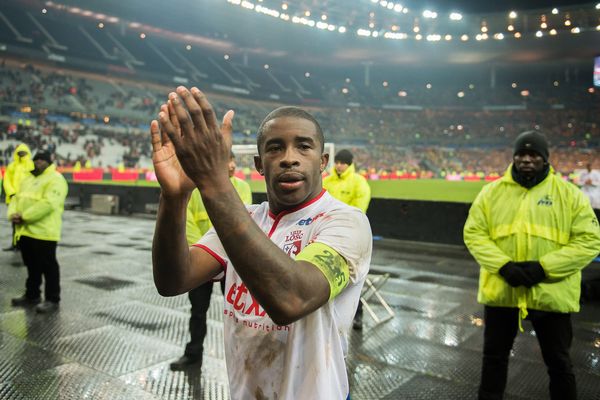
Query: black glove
point(533, 271)
point(514, 274)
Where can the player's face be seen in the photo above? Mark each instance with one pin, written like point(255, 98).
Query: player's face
point(291, 161)
point(528, 162)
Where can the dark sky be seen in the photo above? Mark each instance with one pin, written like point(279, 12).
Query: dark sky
point(481, 6)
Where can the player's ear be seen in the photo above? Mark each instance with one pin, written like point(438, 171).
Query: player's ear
point(324, 161)
point(258, 165)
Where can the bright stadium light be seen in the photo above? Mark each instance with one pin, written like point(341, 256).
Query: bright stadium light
point(517, 35)
point(539, 34)
point(464, 37)
point(512, 14)
point(342, 29)
point(429, 14)
point(363, 32)
point(395, 35)
point(555, 11)
point(575, 30)
point(454, 16)
point(499, 36)
point(418, 36)
point(598, 6)
point(553, 32)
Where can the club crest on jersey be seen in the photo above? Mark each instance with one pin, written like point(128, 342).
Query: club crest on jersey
point(292, 249)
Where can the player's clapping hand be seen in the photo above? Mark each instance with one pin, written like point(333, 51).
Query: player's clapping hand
point(189, 149)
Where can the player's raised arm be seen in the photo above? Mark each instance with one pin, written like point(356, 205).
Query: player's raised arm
point(176, 269)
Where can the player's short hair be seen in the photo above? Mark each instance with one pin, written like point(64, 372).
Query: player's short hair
point(289, 111)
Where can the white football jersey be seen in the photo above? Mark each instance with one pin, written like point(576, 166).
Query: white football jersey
point(303, 360)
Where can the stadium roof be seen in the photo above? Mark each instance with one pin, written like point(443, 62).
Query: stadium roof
point(330, 32)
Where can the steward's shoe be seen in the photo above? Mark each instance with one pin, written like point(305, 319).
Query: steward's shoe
point(24, 301)
point(46, 307)
point(186, 362)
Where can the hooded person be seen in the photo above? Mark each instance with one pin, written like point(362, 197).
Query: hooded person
point(16, 171)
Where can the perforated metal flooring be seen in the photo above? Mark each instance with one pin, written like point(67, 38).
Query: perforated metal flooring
point(114, 336)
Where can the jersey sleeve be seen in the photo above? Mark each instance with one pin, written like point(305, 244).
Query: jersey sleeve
point(348, 232)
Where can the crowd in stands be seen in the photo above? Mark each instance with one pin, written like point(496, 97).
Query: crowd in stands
point(81, 118)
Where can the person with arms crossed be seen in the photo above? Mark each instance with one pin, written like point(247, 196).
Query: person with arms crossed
point(37, 212)
point(348, 186)
point(294, 266)
point(197, 224)
point(531, 233)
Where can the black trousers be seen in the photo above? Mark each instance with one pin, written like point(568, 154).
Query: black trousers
point(200, 300)
point(359, 311)
point(555, 335)
point(40, 258)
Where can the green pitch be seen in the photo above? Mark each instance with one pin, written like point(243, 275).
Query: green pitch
point(424, 189)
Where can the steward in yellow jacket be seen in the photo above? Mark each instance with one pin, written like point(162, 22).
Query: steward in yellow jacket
point(37, 212)
point(197, 222)
point(353, 189)
point(346, 185)
point(531, 233)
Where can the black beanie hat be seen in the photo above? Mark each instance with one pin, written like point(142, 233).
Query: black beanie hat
point(532, 140)
point(43, 155)
point(343, 156)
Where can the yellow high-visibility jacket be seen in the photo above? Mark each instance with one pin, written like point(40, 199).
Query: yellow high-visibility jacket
point(16, 171)
point(552, 223)
point(197, 222)
point(350, 188)
point(40, 201)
